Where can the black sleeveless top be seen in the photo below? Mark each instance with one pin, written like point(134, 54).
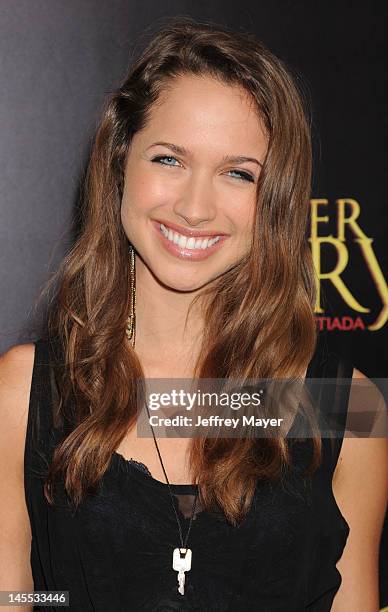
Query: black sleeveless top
point(114, 554)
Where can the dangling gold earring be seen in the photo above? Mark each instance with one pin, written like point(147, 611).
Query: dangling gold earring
point(131, 324)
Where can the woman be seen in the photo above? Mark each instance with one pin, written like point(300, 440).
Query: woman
point(193, 260)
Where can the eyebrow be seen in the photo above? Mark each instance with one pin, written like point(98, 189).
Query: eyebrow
point(236, 159)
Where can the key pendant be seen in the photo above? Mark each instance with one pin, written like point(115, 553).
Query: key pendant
point(181, 564)
point(181, 580)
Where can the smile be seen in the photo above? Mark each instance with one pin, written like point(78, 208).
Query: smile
point(186, 242)
point(191, 248)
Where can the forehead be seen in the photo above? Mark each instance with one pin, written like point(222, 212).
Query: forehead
point(200, 111)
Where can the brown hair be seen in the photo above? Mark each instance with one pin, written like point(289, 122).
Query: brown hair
point(259, 319)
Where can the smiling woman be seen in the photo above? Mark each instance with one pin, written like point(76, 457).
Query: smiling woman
point(201, 201)
point(192, 262)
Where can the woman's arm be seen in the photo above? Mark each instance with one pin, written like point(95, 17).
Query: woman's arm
point(360, 486)
point(15, 540)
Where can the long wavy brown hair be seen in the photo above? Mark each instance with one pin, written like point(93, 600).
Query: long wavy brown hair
point(259, 318)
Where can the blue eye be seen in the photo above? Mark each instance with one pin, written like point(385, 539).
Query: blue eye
point(159, 158)
point(244, 176)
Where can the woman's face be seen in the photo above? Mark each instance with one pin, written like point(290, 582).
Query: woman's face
point(190, 194)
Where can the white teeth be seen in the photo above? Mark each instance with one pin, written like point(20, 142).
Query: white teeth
point(182, 241)
point(190, 243)
point(185, 242)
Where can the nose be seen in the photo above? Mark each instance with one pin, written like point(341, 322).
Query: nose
point(197, 201)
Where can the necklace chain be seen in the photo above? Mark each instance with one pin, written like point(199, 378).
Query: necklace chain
point(131, 335)
point(171, 494)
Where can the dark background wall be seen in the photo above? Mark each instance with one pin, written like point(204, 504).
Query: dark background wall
point(59, 59)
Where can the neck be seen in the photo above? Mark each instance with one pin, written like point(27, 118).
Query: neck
point(161, 316)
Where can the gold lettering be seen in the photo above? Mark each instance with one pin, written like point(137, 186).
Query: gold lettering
point(351, 221)
point(315, 219)
point(378, 277)
point(334, 275)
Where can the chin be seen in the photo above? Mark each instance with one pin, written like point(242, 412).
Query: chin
point(185, 286)
point(183, 282)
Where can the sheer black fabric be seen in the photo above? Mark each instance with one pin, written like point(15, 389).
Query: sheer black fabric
point(115, 552)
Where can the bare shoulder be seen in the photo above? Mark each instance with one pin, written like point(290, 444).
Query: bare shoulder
point(362, 470)
point(360, 487)
point(16, 359)
point(365, 451)
point(16, 366)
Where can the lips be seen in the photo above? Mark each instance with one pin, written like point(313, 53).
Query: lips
point(186, 231)
point(188, 254)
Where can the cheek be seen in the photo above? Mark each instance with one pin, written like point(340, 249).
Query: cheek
point(129, 206)
point(145, 194)
point(241, 211)
point(243, 221)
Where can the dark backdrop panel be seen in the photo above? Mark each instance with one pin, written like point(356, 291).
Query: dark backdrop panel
point(58, 61)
